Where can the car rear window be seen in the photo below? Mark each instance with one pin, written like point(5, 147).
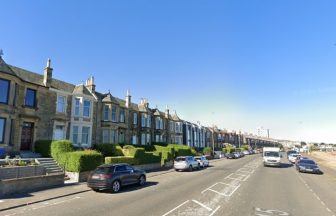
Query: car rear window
point(272, 154)
point(180, 159)
point(104, 170)
point(198, 158)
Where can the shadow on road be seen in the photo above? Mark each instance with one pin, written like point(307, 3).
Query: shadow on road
point(286, 165)
point(131, 188)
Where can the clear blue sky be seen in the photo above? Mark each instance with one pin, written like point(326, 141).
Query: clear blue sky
point(237, 64)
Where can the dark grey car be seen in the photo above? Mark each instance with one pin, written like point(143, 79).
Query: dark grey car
point(114, 176)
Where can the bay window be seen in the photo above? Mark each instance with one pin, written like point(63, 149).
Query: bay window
point(75, 134)
point(85, 135)
point(135, 118)
point(77, 106)
point(106, 112)
point(86, 108)
point(114, 114)
point(122, 115)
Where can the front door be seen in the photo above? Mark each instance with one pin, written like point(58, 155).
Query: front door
point(27, 136)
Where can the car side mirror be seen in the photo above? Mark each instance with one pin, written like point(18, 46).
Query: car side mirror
point(132, 171)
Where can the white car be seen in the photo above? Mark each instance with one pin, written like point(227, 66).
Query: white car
point(246, 152)
point(292, 157)
point(202, 161)
point(186, 163)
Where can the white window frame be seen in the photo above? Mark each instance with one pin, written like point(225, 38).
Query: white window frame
point(77, 107)
point(106, 113)
point(87, 107)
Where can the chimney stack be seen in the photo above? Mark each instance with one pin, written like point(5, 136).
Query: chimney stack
point(47, 76)
point(90, 84)
point(128, 99)
point(167, 111)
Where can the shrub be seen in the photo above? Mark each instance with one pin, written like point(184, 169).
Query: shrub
point(58, 148)
point(81, 161)
point(132, 151)
point(245, 147)
point(43, 147)
point(109, 149)
point(207, 151)
point(121, 159)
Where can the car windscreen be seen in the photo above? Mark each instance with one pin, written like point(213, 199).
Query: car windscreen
point(272, 154)
point(198, 158)
point(307, 162)
point(180, 159)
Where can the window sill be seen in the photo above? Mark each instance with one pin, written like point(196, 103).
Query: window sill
point(30, 107)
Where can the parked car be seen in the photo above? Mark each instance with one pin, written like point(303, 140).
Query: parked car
point(186, 163)
point(237, 154)
point(308, 165)
point(246, 152)
point(202, 161)
point(230, 156)
point(115, 176)
point(292, 157)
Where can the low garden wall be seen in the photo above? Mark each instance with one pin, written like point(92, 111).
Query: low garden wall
point(20, 185)
point(21, 172)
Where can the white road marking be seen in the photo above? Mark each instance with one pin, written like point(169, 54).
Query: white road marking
point(201, 204)
point(214, 211)
point(176, 208)
point(234, 190)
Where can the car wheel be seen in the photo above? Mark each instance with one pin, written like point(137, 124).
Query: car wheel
point(116, 186)
point(190, 168)
point(142, 180)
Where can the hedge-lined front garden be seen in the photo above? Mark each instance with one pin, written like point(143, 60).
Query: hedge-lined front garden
point(75, 161)
point(86, 160)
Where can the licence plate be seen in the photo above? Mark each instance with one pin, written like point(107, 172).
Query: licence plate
point(95, 177)
point(310, 170)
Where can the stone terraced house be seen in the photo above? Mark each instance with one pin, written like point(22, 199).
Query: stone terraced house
point(38, 107)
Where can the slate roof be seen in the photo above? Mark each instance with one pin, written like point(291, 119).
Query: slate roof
point(5, 68)
point(81, 89)
point(33, 78)
point(175, 117)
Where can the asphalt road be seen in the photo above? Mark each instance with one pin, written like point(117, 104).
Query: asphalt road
point(229, 187)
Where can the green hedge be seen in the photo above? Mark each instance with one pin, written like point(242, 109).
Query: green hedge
point(75, 161)
point(121, 159)
point(43, 147)
point(207, 151)
point(148, 157)
point(58, 148)
point(109, 149)
point(81, 161)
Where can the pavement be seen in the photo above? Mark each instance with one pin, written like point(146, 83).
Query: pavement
point(229, 187)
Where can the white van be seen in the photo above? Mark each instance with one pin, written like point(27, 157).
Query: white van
point(271, 156)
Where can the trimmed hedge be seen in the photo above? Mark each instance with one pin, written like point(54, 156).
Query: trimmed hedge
point(121, 159)
point(207, 151)
point(58, 148)
point(81, 161)
point(109, 149)
point(75, 161)
point(43, 147)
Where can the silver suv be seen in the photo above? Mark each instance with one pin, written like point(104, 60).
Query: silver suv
point(186, 163)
